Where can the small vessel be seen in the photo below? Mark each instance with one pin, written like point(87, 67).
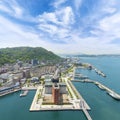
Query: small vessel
point(100, 86)
point(24, 93)
point(114, 95)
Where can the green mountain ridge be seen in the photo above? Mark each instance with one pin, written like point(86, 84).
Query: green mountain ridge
point(10, 55)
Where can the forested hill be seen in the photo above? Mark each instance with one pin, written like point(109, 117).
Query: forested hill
point(10, 55)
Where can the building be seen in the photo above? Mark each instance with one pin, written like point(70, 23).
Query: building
point(34, 62)
point(56, 76)
point(26, 74)
point(55, 88)
point(56, 93)
point(48, 88)
point(63, 88)
point(34, 80)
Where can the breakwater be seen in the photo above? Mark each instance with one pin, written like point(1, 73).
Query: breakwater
point(110, 92)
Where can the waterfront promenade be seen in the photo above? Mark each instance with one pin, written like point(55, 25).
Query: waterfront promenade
point(9, 92)
point(35, 106)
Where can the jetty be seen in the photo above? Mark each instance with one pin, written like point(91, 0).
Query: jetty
point(99, 72)
point(110, 92)
point(87, 114)
point(80, 76)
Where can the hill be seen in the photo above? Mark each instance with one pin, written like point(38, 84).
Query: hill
point(10, 55)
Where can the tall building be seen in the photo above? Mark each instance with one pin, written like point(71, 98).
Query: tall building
point(56, 93)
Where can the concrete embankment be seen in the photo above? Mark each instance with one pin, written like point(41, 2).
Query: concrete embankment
point(9, 92)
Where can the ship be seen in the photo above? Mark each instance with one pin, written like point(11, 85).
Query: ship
point(114, 95)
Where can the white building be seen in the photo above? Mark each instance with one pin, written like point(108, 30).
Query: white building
point(49, 85)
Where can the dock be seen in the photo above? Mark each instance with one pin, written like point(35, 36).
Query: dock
point(9, 92)
point(99, 72)
point(29, 88)
point(110, 92)
point(87, 114)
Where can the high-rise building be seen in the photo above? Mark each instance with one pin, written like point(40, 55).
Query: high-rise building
point(56, 93)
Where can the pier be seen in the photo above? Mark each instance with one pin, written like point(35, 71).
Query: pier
point(99, 72)
point(110, 92)
point(87, 114)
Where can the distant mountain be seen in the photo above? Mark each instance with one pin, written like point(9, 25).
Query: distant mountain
point(11, 55)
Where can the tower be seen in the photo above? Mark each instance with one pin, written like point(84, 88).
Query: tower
point(56, 93)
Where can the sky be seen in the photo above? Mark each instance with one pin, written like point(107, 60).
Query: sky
point(61, 26)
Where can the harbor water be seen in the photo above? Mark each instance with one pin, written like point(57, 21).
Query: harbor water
point(103, 106)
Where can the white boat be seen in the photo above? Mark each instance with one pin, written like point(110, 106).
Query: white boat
point(24, 93)
point(114, 95)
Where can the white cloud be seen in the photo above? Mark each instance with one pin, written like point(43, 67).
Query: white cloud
point(77, 4)
point(62, 17)
point(57, 3)
point(12, 8)
point(51, 29)
point(5, 9)
point(12, 34)
point(57, 24)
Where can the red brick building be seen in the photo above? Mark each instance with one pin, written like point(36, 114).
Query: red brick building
point(56, 93)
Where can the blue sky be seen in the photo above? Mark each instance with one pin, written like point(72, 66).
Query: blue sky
point(62, 26)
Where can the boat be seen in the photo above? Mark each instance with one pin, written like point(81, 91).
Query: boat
point(114, 95)
point(24, 93)
point(100, 86)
